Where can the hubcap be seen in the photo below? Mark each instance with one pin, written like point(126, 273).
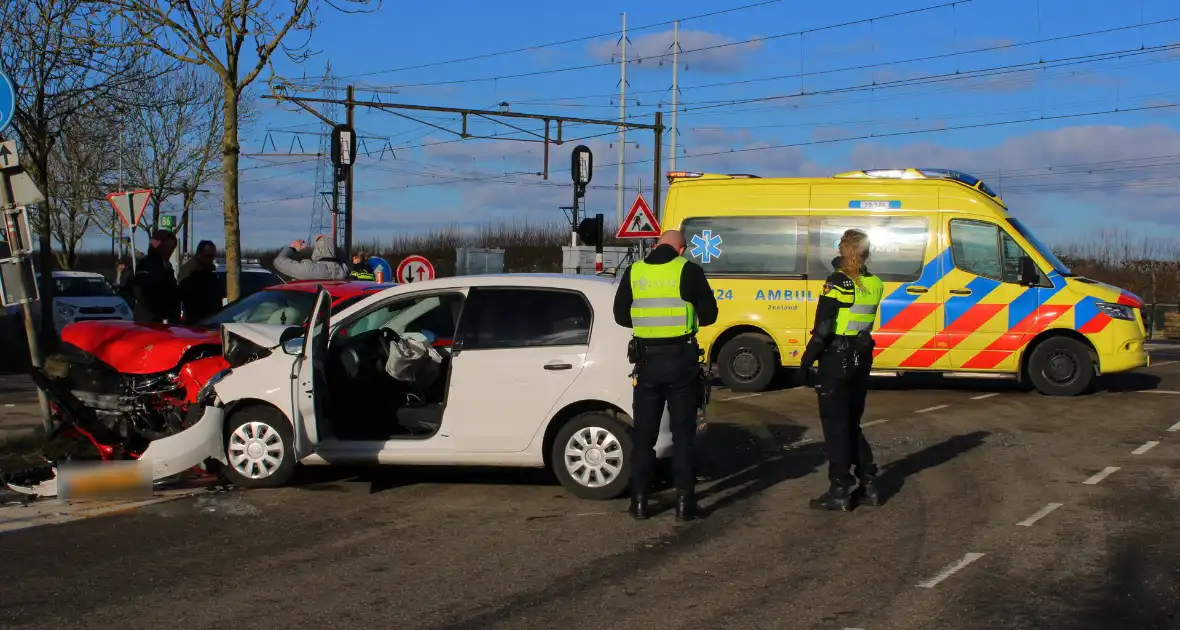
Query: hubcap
point(1061, 367)
point(593, 457)
point(256, 450)
point(745, 364)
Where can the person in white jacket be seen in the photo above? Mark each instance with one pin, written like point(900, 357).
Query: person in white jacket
point(322, 265)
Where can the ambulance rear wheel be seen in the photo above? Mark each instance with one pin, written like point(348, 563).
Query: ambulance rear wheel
point(747, 363)
point(1061, 367)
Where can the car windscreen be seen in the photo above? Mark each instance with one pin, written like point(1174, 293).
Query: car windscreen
point(1044, 250)
point(82, 287)
point(266, 307)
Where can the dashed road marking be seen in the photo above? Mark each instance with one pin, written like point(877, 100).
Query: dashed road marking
point(934, 408)
point(1174, 427)
point(951, 570)
point(1163, 363)
point(869, 424)
point(741, 397)
point(985, 396)
point(1158, 391)
point(1146, 447)
point(1040, 514)
point(1106, 472)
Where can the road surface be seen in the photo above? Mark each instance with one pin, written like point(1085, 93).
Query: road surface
point(1007, 509)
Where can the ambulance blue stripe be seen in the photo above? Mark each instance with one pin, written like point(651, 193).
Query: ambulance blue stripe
point(1085, 311)
point(1027, 302)
point(934, 271)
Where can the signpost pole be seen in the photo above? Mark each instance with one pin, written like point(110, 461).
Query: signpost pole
point(14, 235)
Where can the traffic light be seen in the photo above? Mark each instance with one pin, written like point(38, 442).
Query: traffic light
point(590, 231)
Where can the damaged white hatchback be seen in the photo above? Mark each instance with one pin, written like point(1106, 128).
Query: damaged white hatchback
point(496, 370)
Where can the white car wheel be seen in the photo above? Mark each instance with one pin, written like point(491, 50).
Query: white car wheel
point(591, 456)
point(259, 448)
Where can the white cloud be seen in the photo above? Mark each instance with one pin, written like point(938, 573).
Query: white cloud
point(701, 51)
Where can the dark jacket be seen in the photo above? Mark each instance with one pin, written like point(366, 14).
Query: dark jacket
point(153, 289)
point(362, 271)
point(694, 289)
point(827, 310)
point(200, 291)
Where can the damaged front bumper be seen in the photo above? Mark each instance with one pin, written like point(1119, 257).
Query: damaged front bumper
point(163, 458)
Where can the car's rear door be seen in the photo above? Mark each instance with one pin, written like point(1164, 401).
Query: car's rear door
point(516, 352)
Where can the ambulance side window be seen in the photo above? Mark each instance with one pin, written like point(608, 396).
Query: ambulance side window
point(975, 248)
point(746, 246)
point(898, 245)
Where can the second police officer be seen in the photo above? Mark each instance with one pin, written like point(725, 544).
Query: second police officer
point(664, 299)
point(842, 342)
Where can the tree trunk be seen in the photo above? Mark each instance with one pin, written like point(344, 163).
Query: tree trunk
point(233, 232)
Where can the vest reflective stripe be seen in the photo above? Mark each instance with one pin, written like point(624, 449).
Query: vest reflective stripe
point(858, 309)
point(657, 311)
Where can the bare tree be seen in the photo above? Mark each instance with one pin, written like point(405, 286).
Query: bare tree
point(79, 163)
point(62, 57)
point(212, 33)
point(179, 138)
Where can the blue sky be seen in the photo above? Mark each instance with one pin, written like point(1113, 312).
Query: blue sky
point(1110, 171)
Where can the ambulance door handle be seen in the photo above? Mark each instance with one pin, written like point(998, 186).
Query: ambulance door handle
point(961, 291)
point(916, 289)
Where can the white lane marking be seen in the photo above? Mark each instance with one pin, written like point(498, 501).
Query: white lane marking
point(741, 397)
point(9, 405)
point(1040, 514)
point(985, 396)
point(934, 408)
point(951, 570)
point(869, 424)
point(1147, 446)
point(1106, 472)
point(1158, 391)
point(1174, 427)
point(1163, 363)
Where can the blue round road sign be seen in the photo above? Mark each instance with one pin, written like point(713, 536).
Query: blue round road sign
point(7, 101)
point(380, 263)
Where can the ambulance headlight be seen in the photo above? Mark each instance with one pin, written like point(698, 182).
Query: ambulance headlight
point(1117, 311)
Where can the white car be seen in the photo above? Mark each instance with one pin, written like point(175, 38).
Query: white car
point(491, 370)
point(80, 296)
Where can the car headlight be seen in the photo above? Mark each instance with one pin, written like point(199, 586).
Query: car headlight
point(123, 308)
point(66, 310)
point(1117, 311)
point(207, 396)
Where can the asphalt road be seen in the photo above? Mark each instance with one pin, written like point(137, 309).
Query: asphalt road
point(999, 516)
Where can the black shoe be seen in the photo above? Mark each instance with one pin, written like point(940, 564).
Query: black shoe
point(838, 498)
point(638, 509)
point(867, 493)
point(686, 507)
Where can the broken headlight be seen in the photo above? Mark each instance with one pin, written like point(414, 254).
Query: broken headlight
point(208, 396)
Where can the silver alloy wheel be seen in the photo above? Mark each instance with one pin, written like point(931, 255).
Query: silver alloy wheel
point(256, 450)
point(593, 457)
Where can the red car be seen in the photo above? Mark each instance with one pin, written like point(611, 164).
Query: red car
point(122, 384)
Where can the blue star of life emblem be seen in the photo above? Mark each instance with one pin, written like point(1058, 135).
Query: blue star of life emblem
point(706, 246)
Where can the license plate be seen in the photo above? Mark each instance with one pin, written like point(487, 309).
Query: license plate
point(105, 480)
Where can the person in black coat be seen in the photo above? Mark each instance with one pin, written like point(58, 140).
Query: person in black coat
point(155, 296)
point(200, 291)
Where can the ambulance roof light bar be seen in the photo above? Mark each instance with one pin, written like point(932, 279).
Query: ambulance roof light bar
point(675, 175)
point(923, 173)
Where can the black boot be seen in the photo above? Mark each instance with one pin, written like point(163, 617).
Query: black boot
point(638, 509)
point(838, 498)
point(686, 507)
point(867, 493)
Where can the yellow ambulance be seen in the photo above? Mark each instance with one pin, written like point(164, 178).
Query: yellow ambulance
point(969, 290)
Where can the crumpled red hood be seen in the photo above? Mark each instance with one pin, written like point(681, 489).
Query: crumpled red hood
point(137, 348)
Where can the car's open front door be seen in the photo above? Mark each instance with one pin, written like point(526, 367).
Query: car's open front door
point(309, 393)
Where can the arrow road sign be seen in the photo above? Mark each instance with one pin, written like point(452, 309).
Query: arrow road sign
point(130, 205)
point(640, 222)
point(415, 268)
point(7, 101)
point(8, 156)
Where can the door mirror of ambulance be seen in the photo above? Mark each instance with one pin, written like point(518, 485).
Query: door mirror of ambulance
point(1029, 274)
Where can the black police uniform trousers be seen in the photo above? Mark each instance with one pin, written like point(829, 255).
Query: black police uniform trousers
point(843, 385)
point(668, 373)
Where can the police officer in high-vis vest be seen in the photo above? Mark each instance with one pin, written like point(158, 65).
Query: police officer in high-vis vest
point(664, 299)
point(842, 342)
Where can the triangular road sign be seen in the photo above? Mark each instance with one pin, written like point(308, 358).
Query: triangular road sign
point(640, 222)
point(130, 205)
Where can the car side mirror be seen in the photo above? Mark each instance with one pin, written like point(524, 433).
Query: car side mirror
point(293, 347)
point(1029, 274)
